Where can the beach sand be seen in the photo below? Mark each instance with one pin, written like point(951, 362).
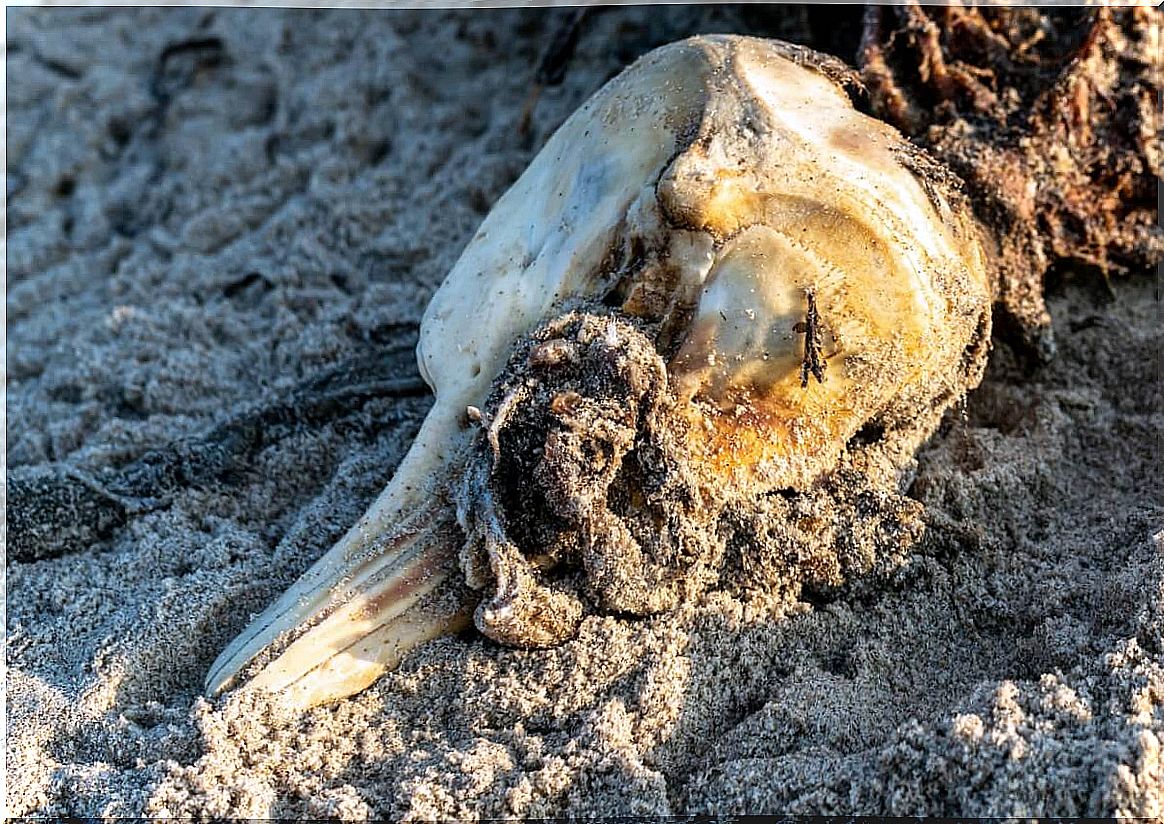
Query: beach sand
point(209, 207)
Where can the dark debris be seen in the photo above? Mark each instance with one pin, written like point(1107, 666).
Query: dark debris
point(1052, 118)
point(55, 509)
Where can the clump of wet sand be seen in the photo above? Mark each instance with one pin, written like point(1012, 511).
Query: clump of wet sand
point(210, 208)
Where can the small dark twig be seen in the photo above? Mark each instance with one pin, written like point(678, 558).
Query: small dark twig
point(814, 361)
point(552, 64)
point(551, 69)
point(55, 509)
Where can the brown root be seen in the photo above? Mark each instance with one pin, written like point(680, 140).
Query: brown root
point(1052, 119)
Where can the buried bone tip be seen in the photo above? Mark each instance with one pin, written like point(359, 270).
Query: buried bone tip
point(773, 278)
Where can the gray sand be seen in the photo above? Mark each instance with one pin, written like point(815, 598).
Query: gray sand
point(191, 239)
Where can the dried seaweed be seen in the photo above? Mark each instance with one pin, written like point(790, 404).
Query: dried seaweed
point(583, 495)
point(56, 509)
point(1052, 119)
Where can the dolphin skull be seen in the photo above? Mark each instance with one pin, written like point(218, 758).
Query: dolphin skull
point(751, 270)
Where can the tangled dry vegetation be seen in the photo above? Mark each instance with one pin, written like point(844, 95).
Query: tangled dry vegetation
point(1052, 119)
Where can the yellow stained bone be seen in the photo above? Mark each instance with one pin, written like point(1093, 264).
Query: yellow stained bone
point(740, 170)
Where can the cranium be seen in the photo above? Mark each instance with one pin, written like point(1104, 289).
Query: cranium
point(786, 272)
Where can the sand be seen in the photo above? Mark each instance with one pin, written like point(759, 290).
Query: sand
point(195, 236)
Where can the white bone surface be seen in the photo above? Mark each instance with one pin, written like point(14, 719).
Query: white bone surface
point(750, 181)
